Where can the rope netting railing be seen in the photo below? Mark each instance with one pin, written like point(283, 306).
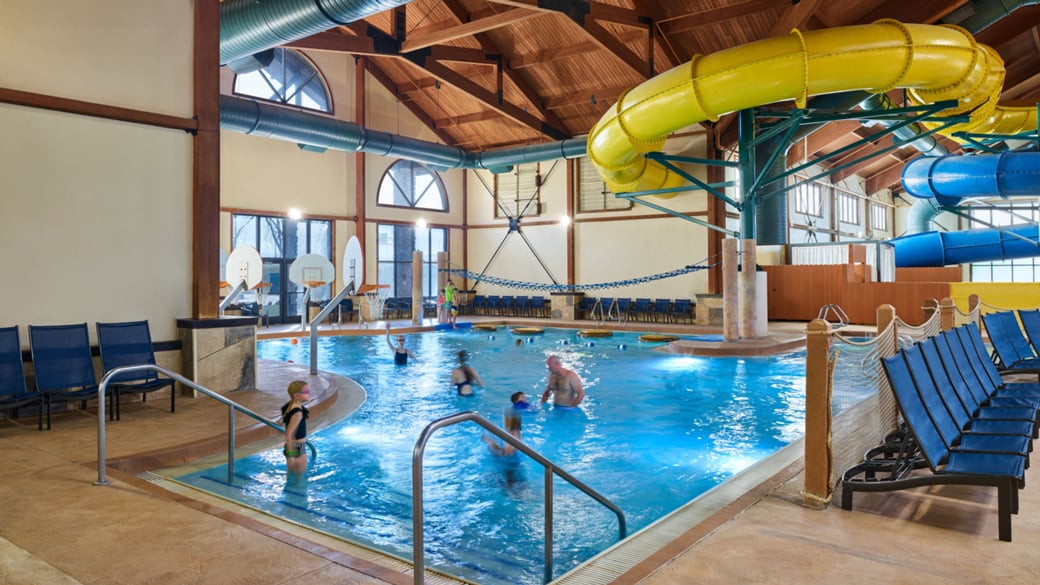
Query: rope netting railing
point(858, 390)
point(962, 318)
point(555, 287)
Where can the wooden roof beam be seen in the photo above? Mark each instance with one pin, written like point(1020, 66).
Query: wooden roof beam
point(687, 22)
point(466, 29)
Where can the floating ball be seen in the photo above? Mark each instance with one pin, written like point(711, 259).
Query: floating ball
point(622, 347)
point(590, 344)
point(294, 341)
point(530, 340)
point(491, 337)
point(564, 342)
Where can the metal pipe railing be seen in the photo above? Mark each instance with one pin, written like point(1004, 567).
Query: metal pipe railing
point(418, 559)
point(241, 286)
point(334, 303)
point(231, 404)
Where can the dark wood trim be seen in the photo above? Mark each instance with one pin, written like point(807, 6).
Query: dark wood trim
point(269, 213)
point(95, 110)
point(205, 289)
point(360, 208)
point(221, 323)
point(717, 217)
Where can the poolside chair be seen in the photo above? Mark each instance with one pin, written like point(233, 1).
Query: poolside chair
point(539, 308)
point(1009, 343)
point(943, 402)
point(1006, 472)
point(62, 364)
point(985, 370)
point(13, 393)
point(1030, 319)
point(586, 306)
point(936, 393)
point(976, 391)
point(130, 344)
point(682, 311)
point(661, 309)
point(641, 309)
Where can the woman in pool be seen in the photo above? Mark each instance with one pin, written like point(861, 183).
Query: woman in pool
point(401, 353)
point(294, 417)
point(512, 425)
point(464, 377)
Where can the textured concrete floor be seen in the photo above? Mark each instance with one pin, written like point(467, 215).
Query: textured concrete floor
point(56, 527)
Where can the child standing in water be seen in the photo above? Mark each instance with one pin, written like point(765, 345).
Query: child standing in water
point(294, 417)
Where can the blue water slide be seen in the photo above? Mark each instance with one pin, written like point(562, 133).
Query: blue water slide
point(948, 180)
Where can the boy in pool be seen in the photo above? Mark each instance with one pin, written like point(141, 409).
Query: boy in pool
point(294, 417)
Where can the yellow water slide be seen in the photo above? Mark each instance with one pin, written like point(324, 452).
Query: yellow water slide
point(935, 63)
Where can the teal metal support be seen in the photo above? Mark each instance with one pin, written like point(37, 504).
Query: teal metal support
point(746, 158)
point(634, 198)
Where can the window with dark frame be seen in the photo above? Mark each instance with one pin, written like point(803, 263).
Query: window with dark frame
point(410, 184)
point(289, 79)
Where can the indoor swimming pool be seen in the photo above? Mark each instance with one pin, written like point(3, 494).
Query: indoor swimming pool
point(654, 432)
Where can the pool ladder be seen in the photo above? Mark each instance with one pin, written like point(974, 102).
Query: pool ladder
point(550, 469)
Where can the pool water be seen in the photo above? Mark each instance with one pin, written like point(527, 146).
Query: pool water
point(655, 431)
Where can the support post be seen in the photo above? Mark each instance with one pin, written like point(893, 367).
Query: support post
point(819, 459)
point(947, 314)
point(748, 291)
point(417, 287)
point(730, 321)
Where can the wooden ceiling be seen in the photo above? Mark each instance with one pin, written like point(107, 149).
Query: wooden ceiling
point(485, 74)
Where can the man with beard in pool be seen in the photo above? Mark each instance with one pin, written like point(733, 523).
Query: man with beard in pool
point(564, 385)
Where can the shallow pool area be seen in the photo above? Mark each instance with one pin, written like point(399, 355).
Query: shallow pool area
point(656, 430)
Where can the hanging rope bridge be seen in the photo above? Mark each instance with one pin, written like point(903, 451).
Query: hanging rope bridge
point(540, 286)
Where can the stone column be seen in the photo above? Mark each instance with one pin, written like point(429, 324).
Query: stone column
point(730, 304)
point(748, 291)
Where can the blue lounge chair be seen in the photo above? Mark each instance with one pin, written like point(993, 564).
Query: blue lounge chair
point(13, 393)
point(1003, 471)
point(936, 395)
point(130, 344)
point(62, 363)
point(971, 338)
point(1030, 319)
point(661, 309)
point(682, 311)
point(943, 401)
point(1009, 343)
point(974, 392)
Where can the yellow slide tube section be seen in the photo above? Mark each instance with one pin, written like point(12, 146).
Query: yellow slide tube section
point(934, 63)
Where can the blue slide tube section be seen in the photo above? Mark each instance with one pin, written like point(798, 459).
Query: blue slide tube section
point(949, 180)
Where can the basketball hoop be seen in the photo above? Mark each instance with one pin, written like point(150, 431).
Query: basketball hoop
point(314, 283)
point(260, 290)
point(376, 294)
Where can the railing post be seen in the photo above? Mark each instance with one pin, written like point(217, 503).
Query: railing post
point(973, 305)
point(947, 314)
point(231, 446)
point(886, 314)
point(818, 458)
point(548, 525)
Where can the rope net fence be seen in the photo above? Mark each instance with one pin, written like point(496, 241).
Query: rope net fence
point(861, 408)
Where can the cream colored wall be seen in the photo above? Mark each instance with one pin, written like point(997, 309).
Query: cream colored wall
point(96, 221)
point(609, 246)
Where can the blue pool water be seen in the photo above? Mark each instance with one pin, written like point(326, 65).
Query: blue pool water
point(655, 431)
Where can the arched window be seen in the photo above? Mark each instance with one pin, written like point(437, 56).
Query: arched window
point(410, 184)
point(289, 79)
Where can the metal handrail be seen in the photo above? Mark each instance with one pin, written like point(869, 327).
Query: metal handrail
point(334, 303)
point(231, 404)
point(550, 468)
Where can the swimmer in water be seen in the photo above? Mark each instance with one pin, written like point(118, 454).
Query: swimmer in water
point(564, 385)
point(401, 353)
point(464, 377)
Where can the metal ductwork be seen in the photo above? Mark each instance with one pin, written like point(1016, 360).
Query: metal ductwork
point(250, 26)
point(322, 132)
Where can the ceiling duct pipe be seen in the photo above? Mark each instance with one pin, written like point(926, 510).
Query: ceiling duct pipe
point(248, 27)
point(322, 132)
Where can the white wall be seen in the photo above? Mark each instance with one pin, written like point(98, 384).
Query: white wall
point(96, 214)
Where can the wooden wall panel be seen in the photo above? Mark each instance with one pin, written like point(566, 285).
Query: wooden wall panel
point(797, 293)
point(941, 274)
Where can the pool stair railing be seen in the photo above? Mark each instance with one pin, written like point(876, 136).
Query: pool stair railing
point(550, 468)
point(231, 404)
point(320, 318)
